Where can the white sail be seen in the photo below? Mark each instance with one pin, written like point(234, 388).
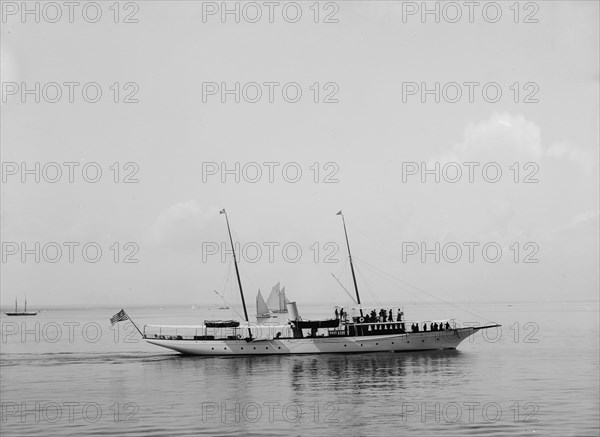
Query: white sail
point(273, 300)
point(283, 301)
point(261, 306)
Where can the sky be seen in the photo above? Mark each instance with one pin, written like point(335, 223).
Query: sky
point(355, 139)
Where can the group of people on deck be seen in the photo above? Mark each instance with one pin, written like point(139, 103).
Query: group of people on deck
point(382, 316)
point(433, 327)
point(340, 315)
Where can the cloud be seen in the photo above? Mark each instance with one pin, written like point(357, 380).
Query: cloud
point(502, 137)
point(583, 218)
point(585, 159)
point(513, 138)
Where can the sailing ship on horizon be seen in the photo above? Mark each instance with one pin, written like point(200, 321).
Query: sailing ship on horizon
point(362, 330)
point(274, 310)
point(16, 312)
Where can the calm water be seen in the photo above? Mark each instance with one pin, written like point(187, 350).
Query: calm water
point(539, 375)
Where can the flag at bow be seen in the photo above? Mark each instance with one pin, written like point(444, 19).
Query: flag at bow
point(222, 211)
point(119, 317)
point(339, 213)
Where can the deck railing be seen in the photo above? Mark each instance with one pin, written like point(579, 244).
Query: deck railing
point(267, 332)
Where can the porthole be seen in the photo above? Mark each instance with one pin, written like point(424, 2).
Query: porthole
point(225, 348)
point(376, 344)
point(392, 342)
point(254, 347)
point(345, 345)
point(242, 348)
point(212, 348)
point(266, 348)
point(279, 347)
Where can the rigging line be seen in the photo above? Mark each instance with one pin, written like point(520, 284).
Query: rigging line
point(227, 275)
point(377, 302)
point(247, 273)
point(374, 269)
point(423, 291)
point(337, 278)
point(343, 268)
point(430, 295)
point(225, 281)
point(370, 237)
point(434, 304)
point(247, 276)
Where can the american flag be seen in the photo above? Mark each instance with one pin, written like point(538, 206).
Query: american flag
point(119, 317)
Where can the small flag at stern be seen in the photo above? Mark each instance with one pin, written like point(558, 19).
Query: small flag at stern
point(119, 317)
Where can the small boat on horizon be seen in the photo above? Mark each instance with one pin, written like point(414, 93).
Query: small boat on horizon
point(274, 310)
point(21, 313)
point(362, 330)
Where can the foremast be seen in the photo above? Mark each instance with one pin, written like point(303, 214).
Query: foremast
point(237, 272)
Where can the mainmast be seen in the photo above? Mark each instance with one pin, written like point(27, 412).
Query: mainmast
point(351, 265)
point(237, 272)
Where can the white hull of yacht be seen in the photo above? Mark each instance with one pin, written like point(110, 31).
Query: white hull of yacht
point(321, 345)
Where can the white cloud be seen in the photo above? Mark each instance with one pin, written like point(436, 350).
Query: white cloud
point(502, 133)
point(512, 138)
point(583, 158)
point(584, 218)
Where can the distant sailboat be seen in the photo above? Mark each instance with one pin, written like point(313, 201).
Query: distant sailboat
point(277, 301)
point(21, 313)
point(262, 310)
point(274, 310)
